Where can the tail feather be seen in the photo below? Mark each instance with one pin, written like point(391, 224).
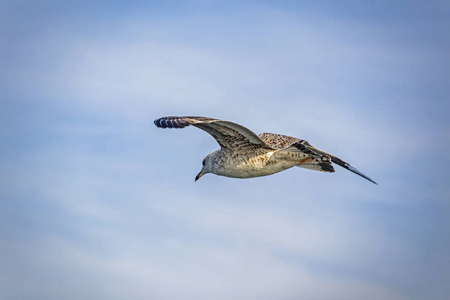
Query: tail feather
point(319, 163)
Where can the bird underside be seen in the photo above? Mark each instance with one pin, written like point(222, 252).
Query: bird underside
point(268, 162)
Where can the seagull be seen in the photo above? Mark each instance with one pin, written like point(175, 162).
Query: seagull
point(243, 154)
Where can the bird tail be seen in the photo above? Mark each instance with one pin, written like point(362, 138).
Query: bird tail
point(314, 159)
point(319, 163)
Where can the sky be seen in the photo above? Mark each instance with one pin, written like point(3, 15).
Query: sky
point(98, 203)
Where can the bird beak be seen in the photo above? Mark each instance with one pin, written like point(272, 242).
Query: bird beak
point(199, 175)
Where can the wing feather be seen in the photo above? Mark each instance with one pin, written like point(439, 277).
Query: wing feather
point(322, 161)
point(229, 135)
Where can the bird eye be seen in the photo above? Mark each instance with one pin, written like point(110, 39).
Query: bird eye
point(204, 161)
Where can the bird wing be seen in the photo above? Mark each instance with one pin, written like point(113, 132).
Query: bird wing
point(321, 160)
point(229, 135)
point(278, 141)
point(349, 167)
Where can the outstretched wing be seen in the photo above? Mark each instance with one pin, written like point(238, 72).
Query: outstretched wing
point(229, 135)
point(347, 166)
point(341, 163)
point(278, 141)
point(321, 160)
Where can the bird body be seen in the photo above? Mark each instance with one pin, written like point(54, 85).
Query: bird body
point(243, 154)
point(247, 164)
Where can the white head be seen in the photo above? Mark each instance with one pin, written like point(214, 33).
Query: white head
point(207, 166)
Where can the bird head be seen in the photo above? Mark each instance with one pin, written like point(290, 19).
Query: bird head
point(206, 168)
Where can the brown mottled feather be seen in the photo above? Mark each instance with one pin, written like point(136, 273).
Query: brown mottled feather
point(320, 161)
point(229, 135)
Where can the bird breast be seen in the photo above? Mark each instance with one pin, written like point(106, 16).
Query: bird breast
point(250, 165)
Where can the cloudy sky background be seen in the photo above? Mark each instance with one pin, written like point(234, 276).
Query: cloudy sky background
point(98, 203)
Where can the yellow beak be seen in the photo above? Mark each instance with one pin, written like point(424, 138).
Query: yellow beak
point(199, 175)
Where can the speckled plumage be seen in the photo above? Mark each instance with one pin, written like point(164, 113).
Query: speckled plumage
point(243, 154)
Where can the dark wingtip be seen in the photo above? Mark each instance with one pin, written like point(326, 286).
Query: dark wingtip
point(356, 171)
point(347, 166)
point(372, 181)
point(171, 122)
point(159, 123)
point(165, 122)
point(365, 177)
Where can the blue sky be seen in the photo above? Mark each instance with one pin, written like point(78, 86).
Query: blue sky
point(98, 203)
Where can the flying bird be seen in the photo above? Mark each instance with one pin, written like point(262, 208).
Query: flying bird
point(243, 154)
